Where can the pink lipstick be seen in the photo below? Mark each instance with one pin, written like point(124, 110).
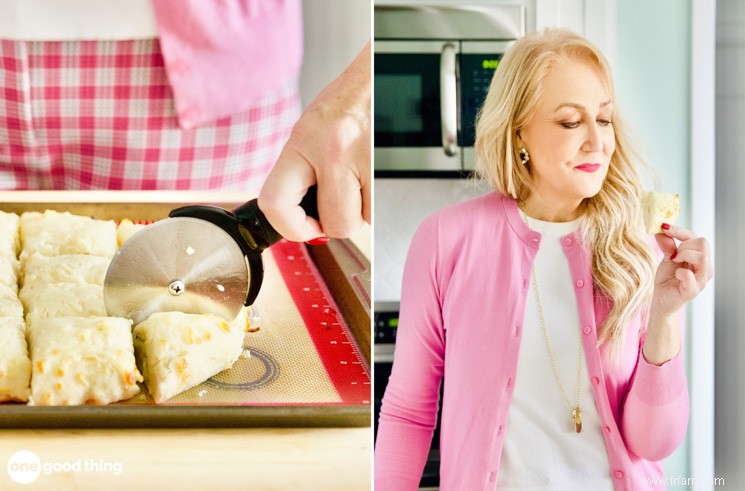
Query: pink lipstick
point(588, 167)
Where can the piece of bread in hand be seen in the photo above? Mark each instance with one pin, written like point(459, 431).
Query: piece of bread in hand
point(659, 208)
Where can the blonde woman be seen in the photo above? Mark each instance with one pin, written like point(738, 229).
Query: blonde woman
point(543, 301)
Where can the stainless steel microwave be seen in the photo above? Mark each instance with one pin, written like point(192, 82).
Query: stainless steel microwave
point(432, 68)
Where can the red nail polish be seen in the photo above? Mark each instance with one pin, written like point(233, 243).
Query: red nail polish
point(665, 226)
point(318, 241)
point(674, 255)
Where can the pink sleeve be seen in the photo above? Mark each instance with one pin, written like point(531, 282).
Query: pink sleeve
point(409, 411)
point(655, 414)
point(222, 56)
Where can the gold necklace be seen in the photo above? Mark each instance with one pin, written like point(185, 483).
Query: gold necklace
point(576, 413)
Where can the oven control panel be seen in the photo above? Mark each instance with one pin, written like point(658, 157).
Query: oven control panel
point(386, 326)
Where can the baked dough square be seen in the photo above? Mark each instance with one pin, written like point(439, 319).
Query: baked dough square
point(78, 269)
point(177, 351)
point(43, 301)
point(127, 229)
point(15, 365)
point(10, 305)
point(9, 267)
point(9, 241)
point(82, 361)
point(52, 234)
point(659, 208)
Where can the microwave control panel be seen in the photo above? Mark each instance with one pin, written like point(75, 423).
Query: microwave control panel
point(476, 73)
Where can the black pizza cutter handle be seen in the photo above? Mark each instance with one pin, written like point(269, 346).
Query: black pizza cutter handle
point(251, 230)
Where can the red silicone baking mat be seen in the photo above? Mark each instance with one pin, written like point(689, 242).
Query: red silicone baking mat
point(331, 336)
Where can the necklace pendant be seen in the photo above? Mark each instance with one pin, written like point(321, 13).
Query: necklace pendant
point(577, 417)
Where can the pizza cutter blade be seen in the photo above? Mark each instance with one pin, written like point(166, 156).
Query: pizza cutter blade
point(203, 259)
point(178, 264)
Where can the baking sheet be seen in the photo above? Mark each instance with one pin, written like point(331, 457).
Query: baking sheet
point(282, 378)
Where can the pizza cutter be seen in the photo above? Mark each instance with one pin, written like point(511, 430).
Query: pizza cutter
point(202, 259)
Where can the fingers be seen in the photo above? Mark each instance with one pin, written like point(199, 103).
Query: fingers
point(688, 285)
point(280, 198)
point(340, 202)
point(696, 255)
point(666, 244)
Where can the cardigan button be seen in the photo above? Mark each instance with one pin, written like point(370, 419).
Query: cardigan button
point(595, 380)
point(607, 429)
point(587, 330)
point(618, 474)
point(580, 283)
point(567, 241)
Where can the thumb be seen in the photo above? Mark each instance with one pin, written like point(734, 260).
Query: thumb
point(666, 244)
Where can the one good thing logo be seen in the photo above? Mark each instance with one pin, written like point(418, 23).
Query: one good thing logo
point(25, 467)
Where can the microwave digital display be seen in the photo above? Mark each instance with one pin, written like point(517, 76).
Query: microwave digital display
point(490, 64)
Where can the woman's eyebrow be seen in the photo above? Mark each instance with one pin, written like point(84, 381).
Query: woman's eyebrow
point(578, 106)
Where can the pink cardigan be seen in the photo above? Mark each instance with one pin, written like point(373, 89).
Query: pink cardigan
point(464, 289)
point(221, 56)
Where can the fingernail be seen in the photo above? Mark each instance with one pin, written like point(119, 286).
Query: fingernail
point(674, 255)
point(318, 241)
point(665, 226)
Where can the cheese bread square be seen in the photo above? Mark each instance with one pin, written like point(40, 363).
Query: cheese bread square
point(127, 229)
point(177, 351)
point(82, 361)
point(9, 241)
point(10, 305)
point(52, 234)
point(78, 269)
point(9, 267)
point(43, 301)
point(15, 366)
point(659, 208)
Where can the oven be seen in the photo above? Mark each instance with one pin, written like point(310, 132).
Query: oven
point(433, 67)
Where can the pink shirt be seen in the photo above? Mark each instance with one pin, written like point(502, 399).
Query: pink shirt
point(463, 300)
point(223, 55)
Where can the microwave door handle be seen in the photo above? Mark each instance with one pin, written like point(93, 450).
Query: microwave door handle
point(448, 101)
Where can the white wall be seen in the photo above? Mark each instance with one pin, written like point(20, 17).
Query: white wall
point(335, 32)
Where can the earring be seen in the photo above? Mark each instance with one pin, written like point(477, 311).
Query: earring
point(524, 156)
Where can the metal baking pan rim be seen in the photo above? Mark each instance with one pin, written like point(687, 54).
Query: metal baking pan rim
point(147, 416)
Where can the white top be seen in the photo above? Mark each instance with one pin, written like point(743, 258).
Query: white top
point(541, 448)
point(68, 20)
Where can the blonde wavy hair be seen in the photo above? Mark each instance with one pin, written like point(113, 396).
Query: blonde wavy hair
point(611, 222)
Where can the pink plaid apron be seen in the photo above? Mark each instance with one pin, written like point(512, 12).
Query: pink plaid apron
point(100, 115)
